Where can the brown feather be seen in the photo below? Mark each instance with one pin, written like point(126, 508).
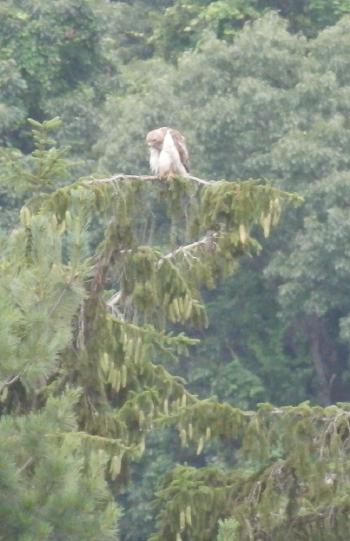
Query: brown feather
point(180, 144)
point(155, 139)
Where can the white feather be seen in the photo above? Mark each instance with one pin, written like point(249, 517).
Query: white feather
point(169, 158)
point(154, 160)
point(165, 162)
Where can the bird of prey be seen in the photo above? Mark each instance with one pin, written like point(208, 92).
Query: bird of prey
point(168, 153)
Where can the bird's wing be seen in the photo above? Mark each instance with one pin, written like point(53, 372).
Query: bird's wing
point(179, 141)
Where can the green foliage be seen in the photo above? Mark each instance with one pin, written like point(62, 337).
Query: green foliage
point(279, 111)
point(96, 319)
point(13, 88)
point(20, 174)
point(161, 453)
point(101, 278)
point(46, 42)
point(230, 121)
point(293, 460)
point(237, 384)
point(228, 530)
point(248, 354)
point(51, 52)
point(40, 294)
point(313, 15)
point(51, 484)
point(49, 488)
point(185, 23)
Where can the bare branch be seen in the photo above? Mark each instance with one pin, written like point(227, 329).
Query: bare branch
point(201, 180)
point(9, 382)
point(58, 301)
point(119, 178)
point(81, 328)
point(114, 300)
point(26, 464)
point(208, 242)
point(144, 178)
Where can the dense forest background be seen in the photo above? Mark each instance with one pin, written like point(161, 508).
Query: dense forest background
point(261, 90)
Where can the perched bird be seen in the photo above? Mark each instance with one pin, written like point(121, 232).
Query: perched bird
point(168, 153)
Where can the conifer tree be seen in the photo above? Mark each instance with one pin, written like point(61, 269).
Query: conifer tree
point(50, 487)
point(96, 289)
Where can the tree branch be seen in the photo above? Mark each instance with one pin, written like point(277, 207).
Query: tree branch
point(144, 178)
point(113, 301)
point(208, 242)
point(201, 180)
point(9, 382)
point(26, 464)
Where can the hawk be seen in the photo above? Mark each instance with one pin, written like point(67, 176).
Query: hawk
point(168, 153)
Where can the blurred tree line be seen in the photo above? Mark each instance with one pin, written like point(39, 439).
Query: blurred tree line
point(261, 90)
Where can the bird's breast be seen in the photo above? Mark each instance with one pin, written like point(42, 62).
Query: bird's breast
point(154, 160)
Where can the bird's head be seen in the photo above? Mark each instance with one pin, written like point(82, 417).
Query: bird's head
point(155, 138)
